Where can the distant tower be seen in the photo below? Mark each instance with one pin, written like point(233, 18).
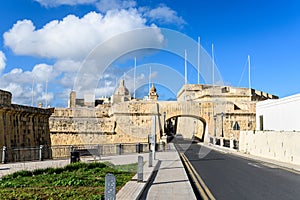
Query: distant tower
point(72, 101)
point(41, 105)
point(121, 94)
point(152, 93)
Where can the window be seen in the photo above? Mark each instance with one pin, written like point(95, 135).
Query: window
point(261, 122)
point(236, 126)
point(236, 107)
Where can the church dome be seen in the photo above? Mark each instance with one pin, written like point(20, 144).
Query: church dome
point(122, 90)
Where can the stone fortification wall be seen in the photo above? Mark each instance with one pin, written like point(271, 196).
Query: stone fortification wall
point(127, 122)
point(219, 112)
point(81, 120)
point(22, 126)
point(277, 145)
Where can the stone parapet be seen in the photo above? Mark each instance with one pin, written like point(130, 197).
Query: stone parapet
point(277, 145)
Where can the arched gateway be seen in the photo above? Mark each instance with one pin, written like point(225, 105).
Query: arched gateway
point(204, 111)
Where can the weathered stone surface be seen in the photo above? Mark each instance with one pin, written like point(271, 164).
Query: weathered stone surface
point(22, 126)
point(201, 110)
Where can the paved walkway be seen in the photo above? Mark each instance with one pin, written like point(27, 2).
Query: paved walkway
point(169, 181)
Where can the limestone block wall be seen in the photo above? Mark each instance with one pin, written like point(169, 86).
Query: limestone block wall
point(277, 145)
point(134, 120)
point(127, 122)
point(23, 127)
point(81, 125)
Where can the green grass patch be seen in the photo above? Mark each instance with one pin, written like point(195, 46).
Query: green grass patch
point(75, 181)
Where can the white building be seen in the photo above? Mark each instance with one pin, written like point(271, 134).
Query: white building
point(279, 115)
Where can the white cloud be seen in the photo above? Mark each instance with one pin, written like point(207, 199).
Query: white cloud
point(164, 15)
point(43, 72)
point(20, 83)
point(101, 5)
point(2, 61)
point(105, 5)
point(55, 3)
point(161, 14)
point(69, 40)
point(67, 65)
point(72, 37)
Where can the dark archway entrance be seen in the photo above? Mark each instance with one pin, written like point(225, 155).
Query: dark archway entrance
point(193, 127)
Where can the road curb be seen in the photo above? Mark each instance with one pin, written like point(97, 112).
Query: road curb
point(196, 180)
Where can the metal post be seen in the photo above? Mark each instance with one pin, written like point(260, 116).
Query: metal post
point(41, 152)
point(119, 149)
point(215, 132)
point(140, 168)
point(231, 144)
point(150, 158)
point(154, 135)
point(222, 115)
point(194, 134)
point(3, 155)
point(98, 151)
point(165, 122)
point(110, 187)
point(138, 148)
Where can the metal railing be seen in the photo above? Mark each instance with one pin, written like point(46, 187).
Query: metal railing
point(21, 154)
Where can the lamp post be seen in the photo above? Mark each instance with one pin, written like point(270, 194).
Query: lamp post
point(215, 133)
point(194, 133)
point(165, 122)
point(222, 115)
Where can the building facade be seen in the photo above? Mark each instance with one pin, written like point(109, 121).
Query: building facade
point(229, 110)
point(279, 115)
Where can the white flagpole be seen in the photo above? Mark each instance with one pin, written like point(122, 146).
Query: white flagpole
point(150, 79)
point(249, 72)
point(213, 64)
point(105, 86)
point(134, 78)
point(185, 68)
point(198, 60)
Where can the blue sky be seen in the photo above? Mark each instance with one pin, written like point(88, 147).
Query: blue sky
point(268, 31)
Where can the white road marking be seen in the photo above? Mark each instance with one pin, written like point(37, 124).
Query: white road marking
point(254, 165)
point(270, 166)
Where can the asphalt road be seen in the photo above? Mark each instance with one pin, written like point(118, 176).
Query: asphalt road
point(232, 177)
